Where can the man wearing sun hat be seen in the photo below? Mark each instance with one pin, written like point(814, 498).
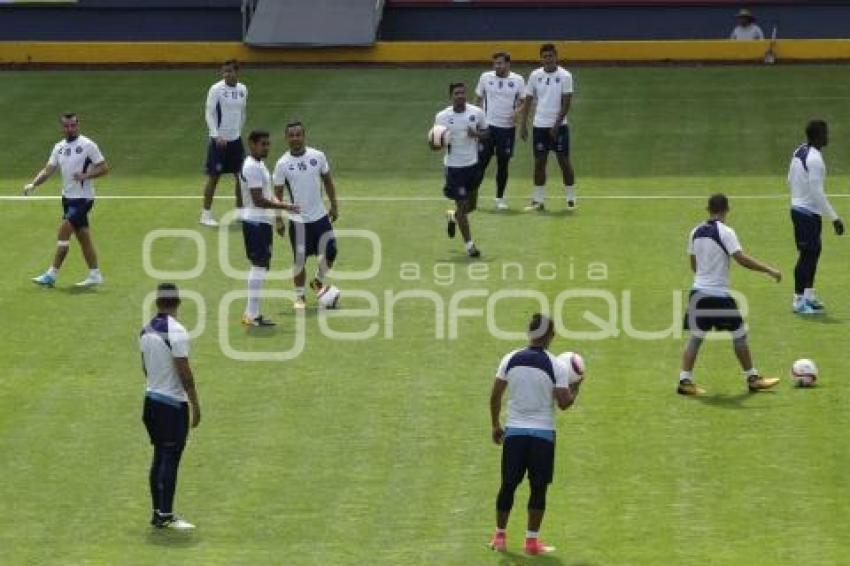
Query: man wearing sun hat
point(747, 29)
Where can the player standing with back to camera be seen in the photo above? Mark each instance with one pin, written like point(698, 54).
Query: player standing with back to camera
point(806, 178)
point(550, 87)
point(500, 93)
point(226, 111)
point(303, 172)
point(536, 381)
point(169, 393)
point(79, 160)
point(466, 125)
point(710, 304)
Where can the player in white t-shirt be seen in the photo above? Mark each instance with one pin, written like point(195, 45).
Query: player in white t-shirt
point(79, 160)
point(536, 382)
point(710, 304)
point(304, 174)
point(500, 93)
point(225, 114)
point(806, 179)
point(259, 204)
point(467, 125)
point(550, 90)
point(169, 393)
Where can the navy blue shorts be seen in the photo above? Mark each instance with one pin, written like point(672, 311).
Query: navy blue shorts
point(807, 230)
point(500, 142)
point(307, 239)
point(76, 211)
point(258, 242)
point(462, 182)
point(167, 424)
point(708, 312)
point(543, 142)
point(521, 454)
point(227, 160)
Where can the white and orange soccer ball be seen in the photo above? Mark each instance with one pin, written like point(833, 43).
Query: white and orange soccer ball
point(439, 136)
point(328, 297)
point(575, 366)
point(804, 373)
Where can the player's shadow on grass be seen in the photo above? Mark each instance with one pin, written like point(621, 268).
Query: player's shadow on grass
point(462, 258)
point(74, 290)
point(172, 539)
point(518, 559)
point(508, 212)
point(725, 401)
point(821, 319)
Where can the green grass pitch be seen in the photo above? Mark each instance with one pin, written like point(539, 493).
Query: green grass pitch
point(378, 451)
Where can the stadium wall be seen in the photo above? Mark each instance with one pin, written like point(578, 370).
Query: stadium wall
point(105, 53)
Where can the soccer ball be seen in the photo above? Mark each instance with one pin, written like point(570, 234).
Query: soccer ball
point(575, 366)
point(439, 136)
point(328, 297)
point(804, 373)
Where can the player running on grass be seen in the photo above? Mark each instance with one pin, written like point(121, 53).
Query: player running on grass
point(79, 160)
point(303, 172)
point(550, 87)
point(536, 381)
point(710, 305)
point(467, 125)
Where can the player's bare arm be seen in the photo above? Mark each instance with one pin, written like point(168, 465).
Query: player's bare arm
point(280, 227)
point(262, 202)
point(753, 264)
point(693, 263)
point(499, 387)
point(524, 110)
point(838, 226)
point(330, 189)
point(566, 102)
point(184, 371)
point(99, 170)
point(42, 176)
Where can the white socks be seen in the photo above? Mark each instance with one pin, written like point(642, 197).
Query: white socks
point(52, 271)
point(752, 372)
point(809, 294)
point(539, 194)
point(686, 376)
point(531, 534)
point(469, 245)
point(255, 284)
point(571, 192)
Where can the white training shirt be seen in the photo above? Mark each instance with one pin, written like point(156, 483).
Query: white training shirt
point(463, 148)
point(226, 110)
point(255, 175)
point(713, 242)
point(501, 96)
point(303, 176)
point(76, 156)
point(747, 33)
point(547, 89)
point(806, 178)
point(532, 375)
point(162, 340)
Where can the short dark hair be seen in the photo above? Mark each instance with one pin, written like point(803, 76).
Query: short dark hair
point(540, 325)
point(167, 296)
point(502, 55)
point(815, 130)
point(718, 204)
point(231, 63)
point(294, 124)
point(453, 86)
point(257, 135)
point(68, 116)
point(548, 47)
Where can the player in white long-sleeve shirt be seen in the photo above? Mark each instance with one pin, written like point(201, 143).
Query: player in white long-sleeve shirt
point(225, 115)
point(78, 160)
point(809, 204)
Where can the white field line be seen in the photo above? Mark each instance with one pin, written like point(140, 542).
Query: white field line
point(7, 198)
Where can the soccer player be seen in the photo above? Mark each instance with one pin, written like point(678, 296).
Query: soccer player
point(303, 172)
point(710, 305)
point(550, 88)
point(79, 160)
point(225, 113)
point(809, 204)
point(257, 218)
point(169, 393)
point(467, 125)
point(499, 93)
point(536, 381)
